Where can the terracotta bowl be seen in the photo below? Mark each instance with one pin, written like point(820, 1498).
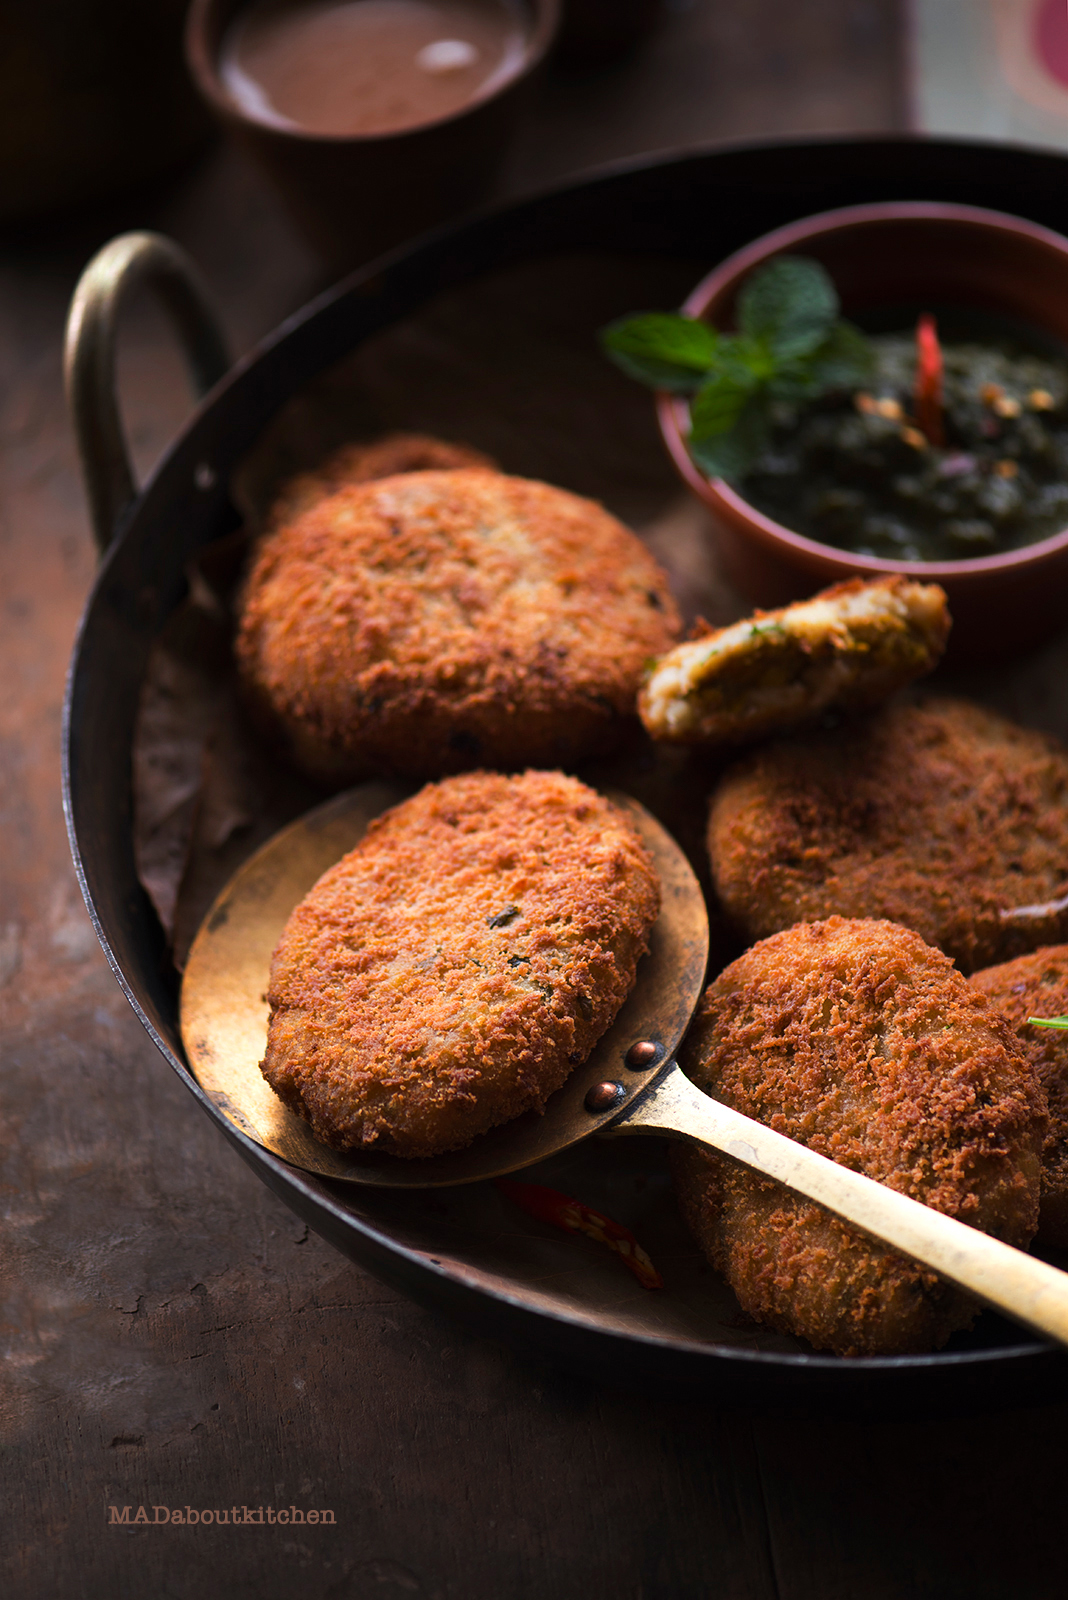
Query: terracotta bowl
point(355, 196)
point(916, 254)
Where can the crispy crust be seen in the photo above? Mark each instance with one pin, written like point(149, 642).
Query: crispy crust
point(861, 1041)
point(433, 621)
point(944, 817)
point(449, 972)
point(363, 462)
point(848, 647)
point(1037, 986)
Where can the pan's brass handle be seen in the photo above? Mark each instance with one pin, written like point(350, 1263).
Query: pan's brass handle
point(89, 359)
point(1016, 1284)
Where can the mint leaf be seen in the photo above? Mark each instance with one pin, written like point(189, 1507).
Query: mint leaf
point(795, 381)
point(844, 360)
point(738, 350)
point(790, 304)
point(733, 453)
point(790, 349)
point(663, 348)
point(718, 403)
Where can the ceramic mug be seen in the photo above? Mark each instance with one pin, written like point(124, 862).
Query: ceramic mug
point(356, 195)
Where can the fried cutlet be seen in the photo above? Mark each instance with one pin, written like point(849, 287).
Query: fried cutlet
point(849, 647)
point(1036, 985)
point(438, 621)
point(365, 460)
point(943, 816)
point(451, 971)
point(861, 1041)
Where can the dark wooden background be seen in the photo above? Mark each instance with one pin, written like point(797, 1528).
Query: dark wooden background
point(172, 1335)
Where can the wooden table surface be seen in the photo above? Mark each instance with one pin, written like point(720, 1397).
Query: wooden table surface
point(173, 1336)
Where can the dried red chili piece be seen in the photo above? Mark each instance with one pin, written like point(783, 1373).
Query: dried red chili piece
point(928, 390)
point(550, 1205)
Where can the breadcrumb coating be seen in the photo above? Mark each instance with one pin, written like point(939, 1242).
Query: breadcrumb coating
point(944, 817)
point(856, 1038)
point(363, 461)
point(1036, 985)
point(849, 647)
point(451, 970)
point(436, 621)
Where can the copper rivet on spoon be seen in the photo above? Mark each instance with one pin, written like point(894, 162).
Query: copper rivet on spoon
point(603, 1096)
point(644, 1053)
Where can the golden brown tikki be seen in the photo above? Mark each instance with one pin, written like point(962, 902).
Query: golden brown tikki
point(847, 648)
point(364, 460)
point(943, 816)
point(1036, 985)
point(437, 621)
point(861, 1041)
point(452, 970)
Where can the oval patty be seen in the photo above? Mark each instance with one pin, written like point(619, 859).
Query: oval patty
point(944, 817)
point(433, 622)
point(861, 1041)
point(451, 970)
point(1036, 985)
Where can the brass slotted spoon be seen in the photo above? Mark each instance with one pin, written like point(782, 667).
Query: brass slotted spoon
point(629, 1085)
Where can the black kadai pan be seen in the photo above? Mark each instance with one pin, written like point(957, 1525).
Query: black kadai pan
point(466, 1250)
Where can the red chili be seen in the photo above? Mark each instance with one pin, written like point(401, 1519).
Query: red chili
point(927, 394)
point(550, 1205)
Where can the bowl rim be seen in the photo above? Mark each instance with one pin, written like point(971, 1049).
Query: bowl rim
point(672, 410)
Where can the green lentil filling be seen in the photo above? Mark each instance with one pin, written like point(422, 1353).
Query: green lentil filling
point(855, 472)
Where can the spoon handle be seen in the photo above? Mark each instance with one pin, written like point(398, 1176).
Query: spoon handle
point(1017, 1284)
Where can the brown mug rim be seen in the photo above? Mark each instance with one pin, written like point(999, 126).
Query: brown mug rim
point(202, 42)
